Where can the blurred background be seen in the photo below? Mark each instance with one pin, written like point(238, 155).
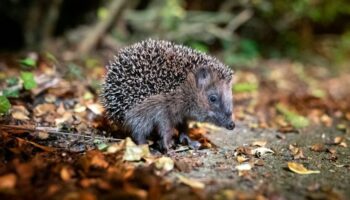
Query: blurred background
point(240, 32)
point(290, 57)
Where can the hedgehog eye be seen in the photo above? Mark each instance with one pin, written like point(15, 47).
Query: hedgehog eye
point(213, 98)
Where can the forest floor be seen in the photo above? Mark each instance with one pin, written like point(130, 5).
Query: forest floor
point(270, 175)
point(291, 141)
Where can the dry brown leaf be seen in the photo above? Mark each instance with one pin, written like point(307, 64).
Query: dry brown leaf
point(43, 109)
point(8, 181)
point(78, 108)
point(300, 169)
point(326, 120)
point(164, 163)
point(241, 158)
point(96, 108)
point(259, 143)
point(262, 151)
point(135, 152)
point(244, 167)
point(331, 150)
point(19, 116)
point(259, 162)
point(317, 147)
point(19, 112)
point(66, 174)
point(296, 152)
point(66, 118)
point(243, 150)
point(98, 160)
point(43, 135)
point(191, 182)
point(343, 144)
point(61, 110)
point(338, 140)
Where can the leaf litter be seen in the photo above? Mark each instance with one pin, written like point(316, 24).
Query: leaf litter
point(57, 128)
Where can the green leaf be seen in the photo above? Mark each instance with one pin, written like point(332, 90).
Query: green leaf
point(293, 118)
point(51, 57)
point(245, 87)
point(28, 80)
point(200, 47)
point(102, 13)
point(28, 62)
point(12, 81)
point(4, 105)
point(11, 92)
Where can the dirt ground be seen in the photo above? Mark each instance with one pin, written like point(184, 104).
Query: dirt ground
point(216, 167)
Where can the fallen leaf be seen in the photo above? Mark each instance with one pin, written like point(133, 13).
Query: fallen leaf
point(317, 148)
point(20, 113)
point(243, 150)
point(96, 108)
point(164, 163)
point(331, 150)
point(78, 108)
point(43, 109)
point(259, 143)
point(8, 181)
point(66, 174)
point(296, 152)
point(241, 158)
point(244, 167)
point(259, 162)
point(135, 152)
point(262, 151)
point(98, 160)
point(300, 169)
point(338, 140)
point(190, 182)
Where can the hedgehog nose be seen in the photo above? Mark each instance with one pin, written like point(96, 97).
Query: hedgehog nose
point(231, 125)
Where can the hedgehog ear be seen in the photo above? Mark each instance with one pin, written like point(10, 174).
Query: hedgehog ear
point(202, 77)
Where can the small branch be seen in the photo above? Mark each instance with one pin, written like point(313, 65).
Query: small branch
point(239, 20)
point(92, 38)
point(55, 131)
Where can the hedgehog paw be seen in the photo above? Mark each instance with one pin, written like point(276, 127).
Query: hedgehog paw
point(186, 140)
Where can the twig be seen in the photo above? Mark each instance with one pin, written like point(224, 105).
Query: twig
point(239, 20)
point(90, 41)
point(55, 131)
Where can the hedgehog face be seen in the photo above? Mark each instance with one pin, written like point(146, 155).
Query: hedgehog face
point(215, 98)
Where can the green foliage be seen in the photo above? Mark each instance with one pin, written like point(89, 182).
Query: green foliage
point(243, 54)
point(28, 62)
point(74, 71)
point(28, 80)
point(199, 46)
point(4, 105)
point(11, 92)
point(293, 118)
point(12, 81)
point(171, 13)
point(245, 87)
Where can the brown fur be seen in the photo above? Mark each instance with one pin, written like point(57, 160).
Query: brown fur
point(163, 112)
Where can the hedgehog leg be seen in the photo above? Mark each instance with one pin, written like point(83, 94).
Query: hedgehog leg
point(185, 139)
point(166, 132)
point(140, 129)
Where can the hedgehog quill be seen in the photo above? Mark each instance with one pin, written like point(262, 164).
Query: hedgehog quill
point(155, 87)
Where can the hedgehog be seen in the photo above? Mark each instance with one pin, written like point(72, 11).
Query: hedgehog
point(155, 87)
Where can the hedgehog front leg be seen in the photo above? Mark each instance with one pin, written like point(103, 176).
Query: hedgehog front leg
point(140, 128)
point(166, 133)
point(185, 139)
